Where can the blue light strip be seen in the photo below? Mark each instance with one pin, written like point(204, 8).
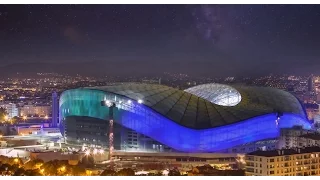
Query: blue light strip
point(145, 121)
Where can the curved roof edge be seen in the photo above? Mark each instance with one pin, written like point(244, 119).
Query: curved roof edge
point(181, 124)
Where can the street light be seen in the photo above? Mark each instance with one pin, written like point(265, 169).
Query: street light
point(6, 117)
point(16, 160)
point(87, 152)
point(95, 151)
point(101, 151)
point(63, 168)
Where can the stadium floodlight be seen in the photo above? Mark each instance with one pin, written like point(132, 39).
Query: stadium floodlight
point(140, 101)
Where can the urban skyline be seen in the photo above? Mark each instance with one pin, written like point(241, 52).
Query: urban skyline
point(159, 90)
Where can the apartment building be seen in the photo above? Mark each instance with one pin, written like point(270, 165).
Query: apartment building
point(32, 110)
point(290, 137)
point(285, 162)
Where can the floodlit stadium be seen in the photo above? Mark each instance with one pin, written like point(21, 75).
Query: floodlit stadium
point(204, 118)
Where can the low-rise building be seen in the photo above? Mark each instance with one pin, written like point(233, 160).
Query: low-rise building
point(294, 137)
point(285, 162)
point(33, 110)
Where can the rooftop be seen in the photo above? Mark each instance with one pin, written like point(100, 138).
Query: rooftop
point(285, 152)
point(313, 136)
point(198, 112)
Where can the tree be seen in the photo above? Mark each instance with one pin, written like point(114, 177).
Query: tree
point(32, 173)
point(159, 173)
point(76, 170)
point(15, 119)
point(108, 172)
point(126, 172)
point(206, 169)
point(3, 113)
point(194, 171)
point(174, 172)
point(52, 167)
point(5, 169)
point(4, 159)
point(33, 164)
point(19, 172)
point(87, 161)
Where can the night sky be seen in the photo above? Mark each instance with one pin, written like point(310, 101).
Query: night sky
point(200, 40)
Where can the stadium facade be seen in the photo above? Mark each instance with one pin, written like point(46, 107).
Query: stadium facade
point(204, 118)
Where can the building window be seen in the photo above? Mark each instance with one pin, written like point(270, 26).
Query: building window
point(271, 172)
point(271, 160)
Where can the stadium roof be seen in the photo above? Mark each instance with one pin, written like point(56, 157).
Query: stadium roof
point(193, 111)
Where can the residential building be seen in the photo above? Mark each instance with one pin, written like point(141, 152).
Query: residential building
point(285, 162)
point(35, 110)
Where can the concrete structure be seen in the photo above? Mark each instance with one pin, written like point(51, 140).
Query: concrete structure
point(38, 130)
point(182, 161)
point(55, 109)
point(204, 118)
point(311, 84)
point(312, 110)
point(35, 110)
point(52, 155)
point(285, 162)
point(10, 152)
point(268, 144)
point(294, 137)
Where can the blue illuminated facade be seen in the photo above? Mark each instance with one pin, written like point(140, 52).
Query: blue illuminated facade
point(144, 119)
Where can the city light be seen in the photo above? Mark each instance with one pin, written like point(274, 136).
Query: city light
point(101, 151)
point(24, 117)
point(46, 117)
point(140, 101)
point(63, 168)
point(95, 151)
point(6, 117)
point(16, 160)
point(87, 152)
point(129, 101)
